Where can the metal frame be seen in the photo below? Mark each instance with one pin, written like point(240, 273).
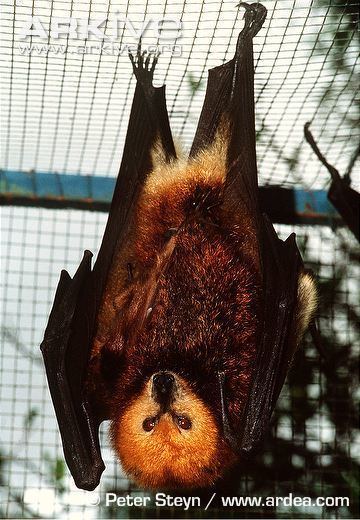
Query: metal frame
point(94, 193)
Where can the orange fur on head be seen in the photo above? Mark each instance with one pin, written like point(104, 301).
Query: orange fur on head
point(168, 456)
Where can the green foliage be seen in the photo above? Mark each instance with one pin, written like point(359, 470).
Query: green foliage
point(343, 25)
point(194, 83)
point(30, 418)
point(56, 472)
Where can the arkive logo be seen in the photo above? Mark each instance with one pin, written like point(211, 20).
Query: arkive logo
point(105, 29)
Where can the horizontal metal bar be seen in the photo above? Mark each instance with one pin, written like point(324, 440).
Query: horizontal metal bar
point(94, 193)
point(56, 190)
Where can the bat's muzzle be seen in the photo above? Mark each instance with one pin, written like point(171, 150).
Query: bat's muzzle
point(163, 389)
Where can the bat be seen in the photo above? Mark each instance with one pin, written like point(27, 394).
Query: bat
point(182, 333)
point(344, 198)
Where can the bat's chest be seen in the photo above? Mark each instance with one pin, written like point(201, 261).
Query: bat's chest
point(199, 314)
point(204, 297)
point(195, 286)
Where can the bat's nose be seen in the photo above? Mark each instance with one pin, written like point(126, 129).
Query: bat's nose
point(163, 382)
point(163, 388)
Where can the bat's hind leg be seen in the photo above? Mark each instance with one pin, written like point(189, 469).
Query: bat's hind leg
point(144, 63)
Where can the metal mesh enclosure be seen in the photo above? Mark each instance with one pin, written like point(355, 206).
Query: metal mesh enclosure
point(65, 111)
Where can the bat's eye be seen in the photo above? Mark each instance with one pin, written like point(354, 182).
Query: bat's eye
point(183, 422)
point(149, 424)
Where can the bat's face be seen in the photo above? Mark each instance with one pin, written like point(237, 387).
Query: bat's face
point(168, 437)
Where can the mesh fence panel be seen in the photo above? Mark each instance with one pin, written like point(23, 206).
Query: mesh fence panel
point(66, 111)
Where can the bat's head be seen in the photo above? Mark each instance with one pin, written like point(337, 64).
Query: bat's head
point(168, 437)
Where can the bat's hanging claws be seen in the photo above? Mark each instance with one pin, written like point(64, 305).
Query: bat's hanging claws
point(147, 61)
point(141, 65)
point(254, 16)
point(246, 6)
point(155, 60)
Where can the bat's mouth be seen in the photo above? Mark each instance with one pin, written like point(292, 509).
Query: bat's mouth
point(164, 389)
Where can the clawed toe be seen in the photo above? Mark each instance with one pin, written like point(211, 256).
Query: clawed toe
point(144, 62)
point(254, 15)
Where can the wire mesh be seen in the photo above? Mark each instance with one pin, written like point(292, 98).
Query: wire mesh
point(67, 112)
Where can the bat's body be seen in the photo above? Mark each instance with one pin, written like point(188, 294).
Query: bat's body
point(191, 307)
point(194, 308)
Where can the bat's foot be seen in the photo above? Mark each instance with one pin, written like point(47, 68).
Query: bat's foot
point(144, 64)
point(254, 15)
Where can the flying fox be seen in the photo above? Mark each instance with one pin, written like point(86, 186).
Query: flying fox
point(182, 333)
